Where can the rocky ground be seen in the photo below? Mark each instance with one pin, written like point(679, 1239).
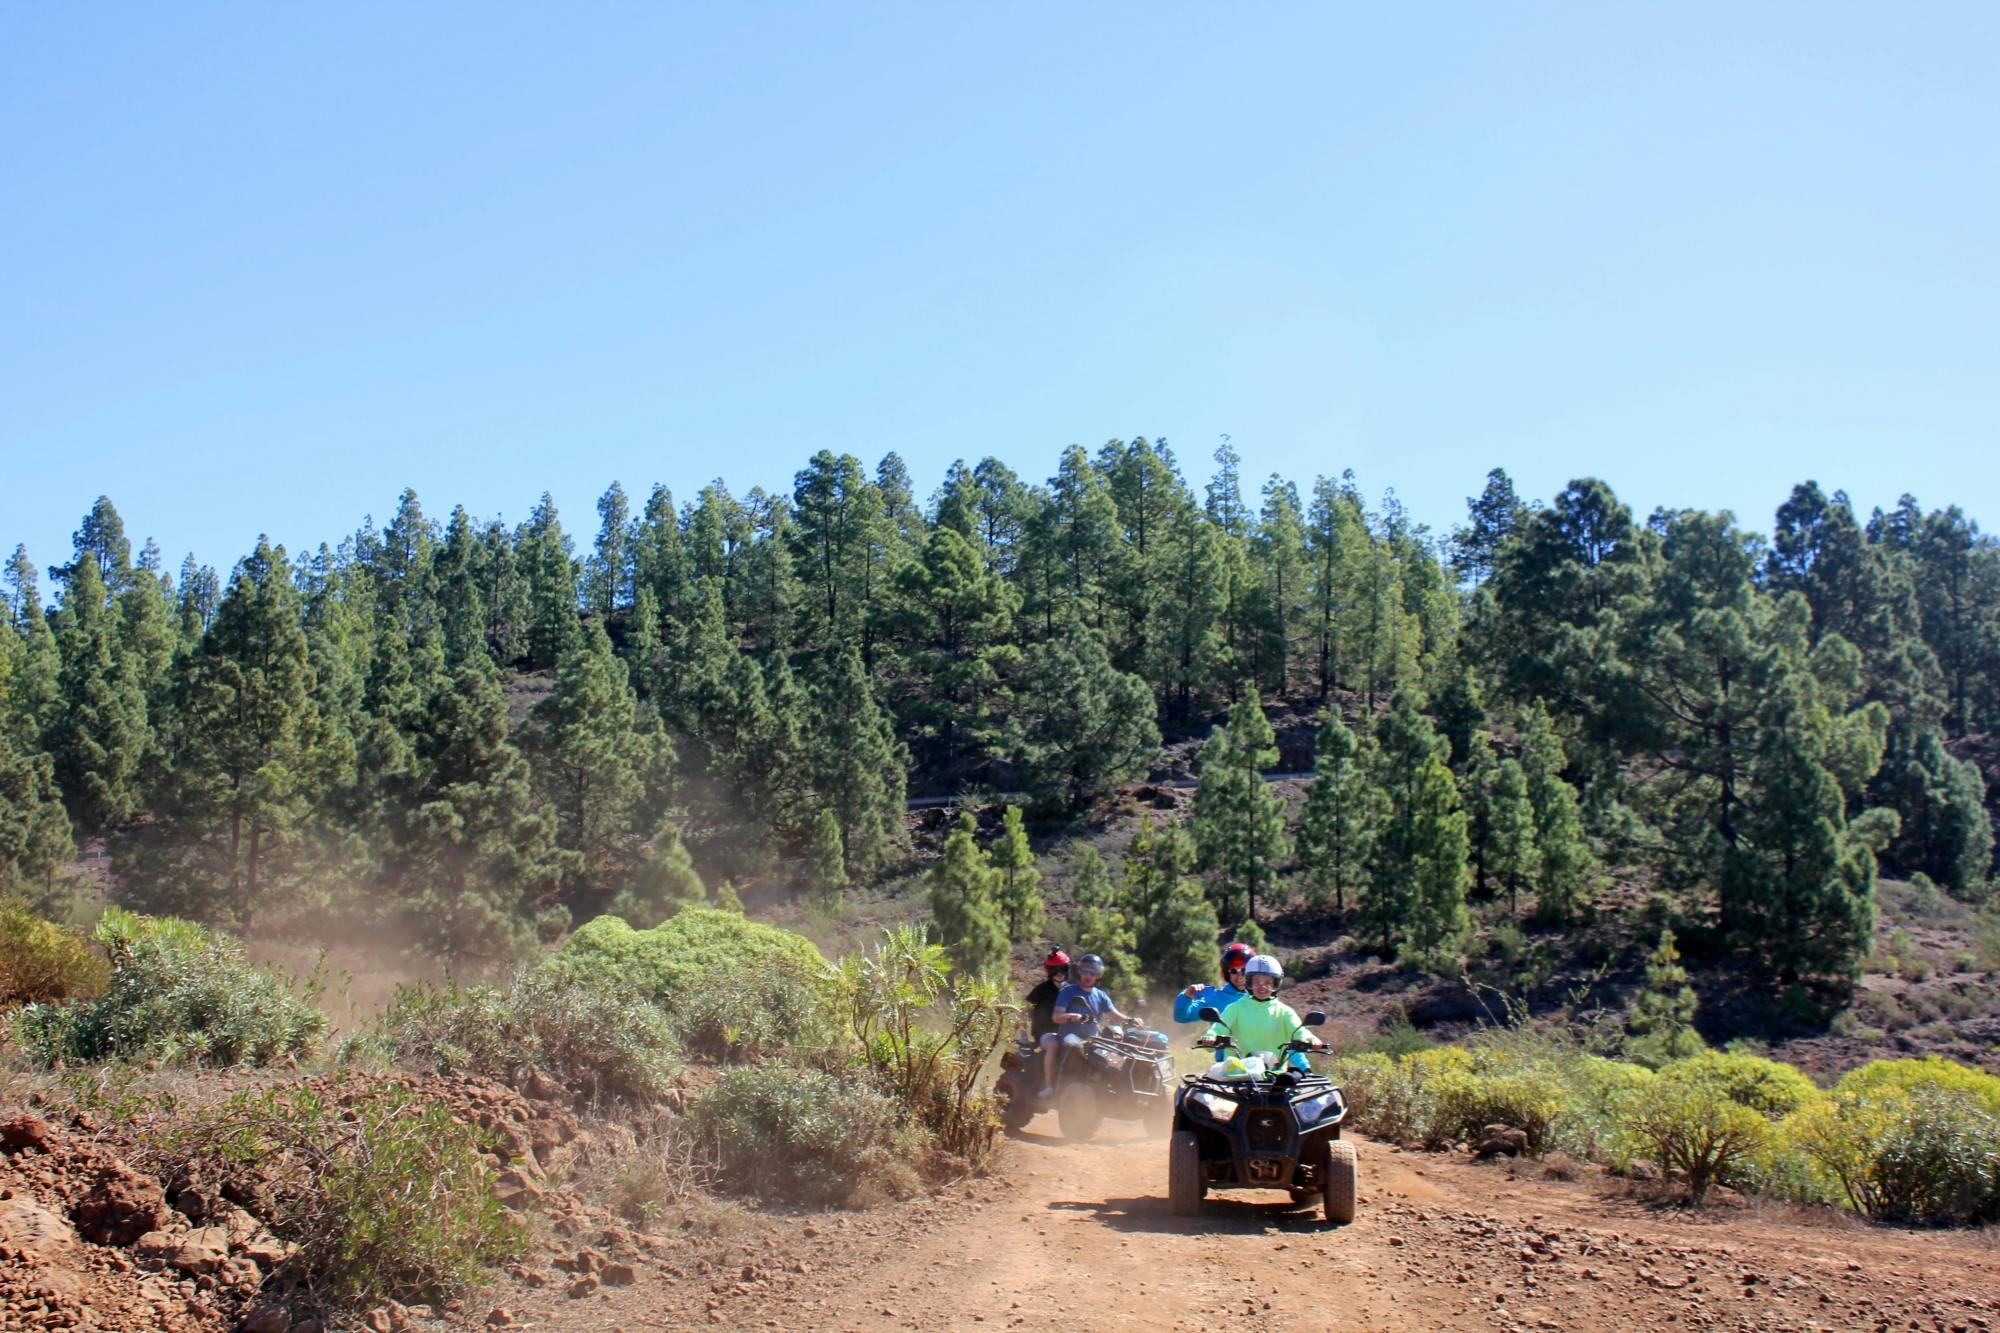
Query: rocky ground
point(1055, 1236)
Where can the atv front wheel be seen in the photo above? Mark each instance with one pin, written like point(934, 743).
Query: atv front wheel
point(1184, 1174)
point(1342, 1182)
point(1077, 1112)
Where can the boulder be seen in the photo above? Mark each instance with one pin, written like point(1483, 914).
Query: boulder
point(266, 1318)
point(35, 1237)
point(1500, 1140)
point(25, 1131)
point(121, 1207)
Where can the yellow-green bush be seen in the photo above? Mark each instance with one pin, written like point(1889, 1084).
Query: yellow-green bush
point(42, 962)
point(694, 950)
point(1771, 1089)
point(1688, 1122)
point(177, 993)
point(1930, 1071)
point(1906, 1140)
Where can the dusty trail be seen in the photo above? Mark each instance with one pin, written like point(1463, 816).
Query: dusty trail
point(1067, 1236)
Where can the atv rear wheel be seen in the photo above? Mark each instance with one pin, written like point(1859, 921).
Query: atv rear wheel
point(1077, 1112)
point(1342, 1182)
point(1184, 1174)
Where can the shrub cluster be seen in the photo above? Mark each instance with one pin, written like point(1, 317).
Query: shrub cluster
point(44, 963)
point(807, 1135)
point(176, 993)
point(684, 955)
point(586, 1032)
point(386, 1196)
point(1904, 1140)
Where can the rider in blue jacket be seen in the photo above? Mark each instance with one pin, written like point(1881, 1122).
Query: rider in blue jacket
point(1187, 1005)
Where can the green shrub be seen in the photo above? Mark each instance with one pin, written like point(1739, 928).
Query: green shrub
point(805, 1135)
point(1898, 1148)
point(758, 1016)
point(1361, 1079)
point(42, 962)
point(585, 1032)
point(1691, 1124)
point(926, 1034)
point(1771, 1089)
point(1930, 1071)
point(387, 1197)
point(687, 954)
point(176, 993)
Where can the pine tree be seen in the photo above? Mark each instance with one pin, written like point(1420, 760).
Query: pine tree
point(462, 619)
point(1437, 921)
point(1492, 518)
point(964, 903)
point(1081, 726)
point(1342, 815)
point(1662, 1014)
point(34, 689)
point(859, 769)
point(603, 770)
point(952, 621)
point(1239, 820)
point(1513, 856)
point(1020, 883)
point(1177, 928)
point(1798, 884)
point(550, 603)
point(826, 860)
point(35, 837)
point(99, 734)
point(1567, 864)
point(607, 580)
point(661, 884)
point(1102, 926)
point(229, 821)
point(473, 849)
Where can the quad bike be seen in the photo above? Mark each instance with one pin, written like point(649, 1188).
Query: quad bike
point(1261, 1130)
point(1123, 1073)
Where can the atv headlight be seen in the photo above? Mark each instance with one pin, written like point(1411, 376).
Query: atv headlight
point(1219, 1108)
point(1311, 1109)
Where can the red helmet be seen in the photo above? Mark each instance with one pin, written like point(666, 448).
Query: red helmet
point(1236, 955)
point(1057, 958)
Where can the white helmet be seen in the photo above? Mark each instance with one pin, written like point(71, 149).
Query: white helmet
point(1264, 965)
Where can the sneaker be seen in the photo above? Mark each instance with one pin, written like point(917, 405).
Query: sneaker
point(1047, 1093)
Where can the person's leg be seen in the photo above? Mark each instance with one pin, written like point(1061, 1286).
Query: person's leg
point(1050, 1040)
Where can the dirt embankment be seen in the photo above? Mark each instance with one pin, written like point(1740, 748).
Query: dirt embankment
point(1058, 1237)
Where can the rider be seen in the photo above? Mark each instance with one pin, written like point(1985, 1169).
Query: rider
point(1079, 1009)
point(1042, 999)
point(1260, 1021)
point(1188, 1004)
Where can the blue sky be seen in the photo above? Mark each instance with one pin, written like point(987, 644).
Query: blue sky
point(266, 265)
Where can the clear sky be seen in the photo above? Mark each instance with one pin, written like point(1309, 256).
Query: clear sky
point(265, 265)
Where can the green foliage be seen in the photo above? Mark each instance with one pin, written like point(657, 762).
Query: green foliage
point(587, 1032)
point(685, 953)
point(965, 903)
point(1102, 925)
point(805, 1136)
point(1417, 878)
point(759, 1017)
point(1691, 1123)
point(1343, 813)
point(1662, 1014)
point(1907, 1140)
point(386, 1196)
point(859, 769)
point(826, 859)
point(1177, 928)
point(1562, 855)
point(662, 883)
point(1081, 726)
point(44, 963)
point(1020, 887)
point(927, 1035)
point(177, 993)
point(1239, 821)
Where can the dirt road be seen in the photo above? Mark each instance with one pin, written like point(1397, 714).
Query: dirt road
point(1079, 1236)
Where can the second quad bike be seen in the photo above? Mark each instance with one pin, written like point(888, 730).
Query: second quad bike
point(1122, 1073)
point(1258, 1124)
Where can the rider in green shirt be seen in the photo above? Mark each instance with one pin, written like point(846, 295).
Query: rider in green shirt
point(1261, 1022)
